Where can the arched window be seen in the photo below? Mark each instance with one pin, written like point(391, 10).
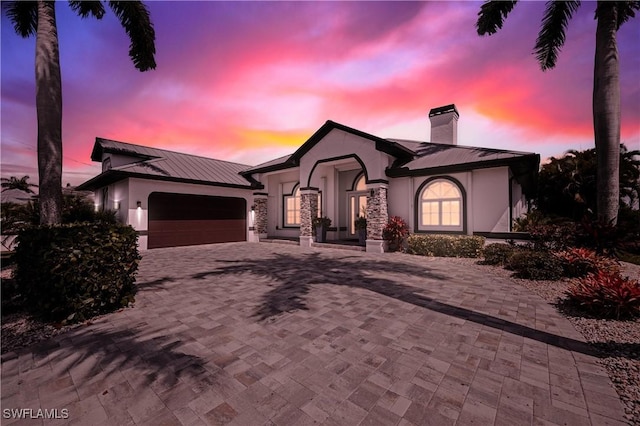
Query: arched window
point(361, 184)
point(440, 206)
point(292, 208)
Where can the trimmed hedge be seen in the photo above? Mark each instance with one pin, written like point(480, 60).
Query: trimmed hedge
point(497, 254)
point(445, 245)
point(535, 265)
point(74, 272)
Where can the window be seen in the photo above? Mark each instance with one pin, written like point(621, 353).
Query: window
point(357, 200)
point(292, 208)
point(440, 206)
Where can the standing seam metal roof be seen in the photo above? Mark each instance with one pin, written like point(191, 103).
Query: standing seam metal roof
point(170, 164)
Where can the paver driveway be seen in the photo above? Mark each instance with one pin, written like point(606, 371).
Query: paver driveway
point(253, 334)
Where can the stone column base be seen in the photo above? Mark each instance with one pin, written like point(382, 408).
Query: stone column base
point(305, 241)
point(376, 246)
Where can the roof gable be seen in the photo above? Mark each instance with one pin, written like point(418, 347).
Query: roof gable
point(385, 145)
point(154, 163)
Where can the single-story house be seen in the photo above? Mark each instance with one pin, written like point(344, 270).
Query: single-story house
point(176, 199)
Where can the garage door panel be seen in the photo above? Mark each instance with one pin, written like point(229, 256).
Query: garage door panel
point(182, 219)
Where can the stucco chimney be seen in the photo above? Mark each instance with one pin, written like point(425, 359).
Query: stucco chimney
point(444, 124)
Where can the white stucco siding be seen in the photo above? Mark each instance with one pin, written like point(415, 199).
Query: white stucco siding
point(490, 198)
point(118, 160)
point(518, 200)
point(400, 199)
point(279, 184)
point(337, 144)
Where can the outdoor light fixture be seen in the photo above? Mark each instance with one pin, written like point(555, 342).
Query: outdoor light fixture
point(371, 192)
point(139, 204)
point(116, 205)
point(253, 207)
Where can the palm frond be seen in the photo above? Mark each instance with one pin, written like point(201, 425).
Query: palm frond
point(492, 15)
point(626, 11)
point(552, 34)
point(135, 19)
point(23, 15)
point(86, 8)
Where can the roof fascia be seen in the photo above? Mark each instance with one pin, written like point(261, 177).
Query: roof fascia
point(404, 171)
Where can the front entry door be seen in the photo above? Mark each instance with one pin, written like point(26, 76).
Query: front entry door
point(357, 202)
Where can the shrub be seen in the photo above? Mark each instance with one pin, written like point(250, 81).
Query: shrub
point(497, 254)
point(445, 245)
point(323, 221)
point(579, 262)
point(535, 265)
point(395, 231)
point(606, 294)
point(73, 272)
point(558, 236)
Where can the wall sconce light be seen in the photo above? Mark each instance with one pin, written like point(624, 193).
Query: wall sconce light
point(139, 204)
point(253, 207)
point(371, 192)
point(116, 205)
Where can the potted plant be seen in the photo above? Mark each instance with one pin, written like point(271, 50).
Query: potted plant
point(395, 232)
point(321, 224)
point(361, 229)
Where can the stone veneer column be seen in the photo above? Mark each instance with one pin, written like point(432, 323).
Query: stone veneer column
point(308, 210)
point(377, 217)
point(261, 214)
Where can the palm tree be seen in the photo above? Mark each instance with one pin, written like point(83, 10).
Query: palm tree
point(39, 18)
point(21, 184)
point(606, 78)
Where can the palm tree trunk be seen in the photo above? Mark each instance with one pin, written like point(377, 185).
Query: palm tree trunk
point(49, 111)
point(606, 112)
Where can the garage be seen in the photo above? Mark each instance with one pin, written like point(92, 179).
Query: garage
point(185, 219)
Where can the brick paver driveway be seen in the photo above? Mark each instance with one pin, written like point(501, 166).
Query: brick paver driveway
point(253, 334)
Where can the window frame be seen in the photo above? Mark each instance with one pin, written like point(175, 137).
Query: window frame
point(444, 229)
point(285, 211)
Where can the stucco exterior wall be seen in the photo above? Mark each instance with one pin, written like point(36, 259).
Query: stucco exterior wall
point(490, 199)
point(278, 184)
point(338, 144)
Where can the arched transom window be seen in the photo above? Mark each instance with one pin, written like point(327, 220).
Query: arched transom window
point(440, 206)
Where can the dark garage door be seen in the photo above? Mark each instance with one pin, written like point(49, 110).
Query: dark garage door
point(183, 219)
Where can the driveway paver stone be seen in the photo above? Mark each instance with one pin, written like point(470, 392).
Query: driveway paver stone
point(271, 334)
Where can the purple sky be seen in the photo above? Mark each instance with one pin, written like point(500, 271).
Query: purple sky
point(250, 81)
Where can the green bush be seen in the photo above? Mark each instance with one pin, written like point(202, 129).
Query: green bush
point(445, 245)
point(74, 272)
point(535, 265)
point(497, 254)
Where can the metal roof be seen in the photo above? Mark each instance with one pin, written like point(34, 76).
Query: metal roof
point(431, 155)
point(166, 165)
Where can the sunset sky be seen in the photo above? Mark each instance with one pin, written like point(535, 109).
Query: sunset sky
point(251, 81)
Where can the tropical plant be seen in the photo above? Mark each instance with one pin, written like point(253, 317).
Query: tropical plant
point(567, 185)
point(21, 184)
point(394, 232)
point(360, 223)
point(38, 18)
point(323, 221)
point(606, 87)
point(606, 294)
point(579, 262)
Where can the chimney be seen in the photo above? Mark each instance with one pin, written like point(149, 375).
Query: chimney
point(444, 124)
